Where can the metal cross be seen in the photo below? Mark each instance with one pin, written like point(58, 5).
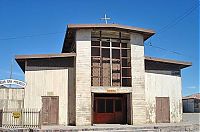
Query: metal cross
point(105, 18)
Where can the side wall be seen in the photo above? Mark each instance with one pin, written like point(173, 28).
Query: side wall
point(47, 83)
point(159, 85)
point(83, 77)
point(11, 98)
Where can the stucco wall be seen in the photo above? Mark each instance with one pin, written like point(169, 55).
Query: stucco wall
point(47, 83)
point(159, 85)
point(11, 97)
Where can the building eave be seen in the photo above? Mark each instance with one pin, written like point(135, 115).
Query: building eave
point(21, 59)
point(116, 26)
point(181, 64)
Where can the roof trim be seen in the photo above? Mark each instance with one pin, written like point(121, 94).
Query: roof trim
point(182, 63)
point(42, 56)
point(131, 28)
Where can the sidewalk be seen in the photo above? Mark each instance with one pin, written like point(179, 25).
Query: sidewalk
point(163, 127)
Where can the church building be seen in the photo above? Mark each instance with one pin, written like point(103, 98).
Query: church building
point(103, 77)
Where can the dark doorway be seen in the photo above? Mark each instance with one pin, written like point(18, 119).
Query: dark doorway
point(162, 110)
point(1, 117)
point(50, 110)
point(110, 108)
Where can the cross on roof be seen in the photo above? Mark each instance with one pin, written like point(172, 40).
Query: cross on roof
point(105, 18)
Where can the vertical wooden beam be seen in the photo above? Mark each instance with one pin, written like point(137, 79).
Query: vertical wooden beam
point(120, 58)
point(110, 62)
point(101, 64)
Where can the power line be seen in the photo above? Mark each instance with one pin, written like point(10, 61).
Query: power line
point(171, 24)
point(178, 19)
point(166, 50)
point(29, 36)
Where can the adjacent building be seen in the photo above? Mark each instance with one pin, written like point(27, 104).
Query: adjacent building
point(191, 103)
point(102, 76)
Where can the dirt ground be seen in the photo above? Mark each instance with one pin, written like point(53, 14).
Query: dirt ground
point(191, 117)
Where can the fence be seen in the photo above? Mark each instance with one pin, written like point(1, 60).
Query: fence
point(20, 118)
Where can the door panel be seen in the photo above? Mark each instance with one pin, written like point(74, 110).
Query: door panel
point(54, 110)
point(118, 110)
point(45, 110)
point(165, 110)
point(162, 110)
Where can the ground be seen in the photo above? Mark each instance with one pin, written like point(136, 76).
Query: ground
point(191, 117)
point(190, 124)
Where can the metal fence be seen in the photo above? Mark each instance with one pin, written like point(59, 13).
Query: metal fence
point(20, 118)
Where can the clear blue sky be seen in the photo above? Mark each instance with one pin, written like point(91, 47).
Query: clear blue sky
point(34, 17)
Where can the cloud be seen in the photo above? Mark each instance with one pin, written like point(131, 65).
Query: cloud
point(192, 87)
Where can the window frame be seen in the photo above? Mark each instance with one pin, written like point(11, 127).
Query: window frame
point(123, 45)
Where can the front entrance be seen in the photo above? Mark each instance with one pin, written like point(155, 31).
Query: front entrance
point(50, 108)
point(109, 109)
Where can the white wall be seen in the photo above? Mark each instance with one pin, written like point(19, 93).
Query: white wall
point(83, 77)
point(47, 83)
point(159, 85)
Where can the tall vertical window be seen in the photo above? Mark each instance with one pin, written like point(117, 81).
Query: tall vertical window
point(110, 59)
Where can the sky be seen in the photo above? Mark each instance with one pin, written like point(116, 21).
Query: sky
point(38, 27)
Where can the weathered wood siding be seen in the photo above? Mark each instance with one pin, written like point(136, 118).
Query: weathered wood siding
point(47, 83)
point(160, 85)
point(11, 98)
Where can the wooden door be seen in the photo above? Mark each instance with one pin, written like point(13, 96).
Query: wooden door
point(50, 110)
point(162, 110)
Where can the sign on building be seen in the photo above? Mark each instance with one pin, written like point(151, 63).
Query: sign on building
point(12, 81)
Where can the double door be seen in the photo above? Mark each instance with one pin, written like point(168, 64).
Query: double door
point(50, 110)
point(162, 110)
point(108, 110)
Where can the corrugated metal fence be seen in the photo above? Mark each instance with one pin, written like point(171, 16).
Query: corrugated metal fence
point(20, 118)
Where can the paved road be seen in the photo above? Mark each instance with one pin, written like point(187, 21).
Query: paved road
point(191, 117)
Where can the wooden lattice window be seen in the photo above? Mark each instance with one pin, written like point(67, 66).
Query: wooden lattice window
point(110, 59)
